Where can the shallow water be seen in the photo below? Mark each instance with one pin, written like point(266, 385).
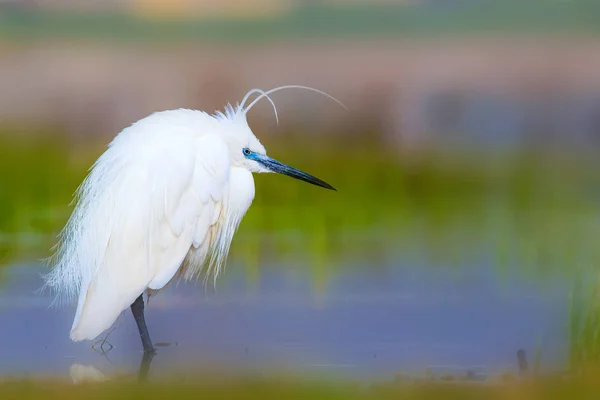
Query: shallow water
point(403, 316)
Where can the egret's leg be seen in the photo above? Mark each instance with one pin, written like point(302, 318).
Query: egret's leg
point(137, 309)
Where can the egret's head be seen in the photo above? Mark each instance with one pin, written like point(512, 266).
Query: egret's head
point(246, 151)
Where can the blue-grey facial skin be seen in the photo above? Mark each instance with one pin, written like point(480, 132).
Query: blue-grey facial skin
point(281, 168)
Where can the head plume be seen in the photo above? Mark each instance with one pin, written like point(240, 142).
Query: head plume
point(263, 94)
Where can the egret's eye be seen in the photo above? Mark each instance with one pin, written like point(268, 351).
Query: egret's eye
point(247, 151)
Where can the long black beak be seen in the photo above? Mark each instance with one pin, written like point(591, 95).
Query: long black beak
point(281, 168)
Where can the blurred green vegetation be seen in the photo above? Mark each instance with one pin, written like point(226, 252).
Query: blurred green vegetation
point(315, 20)
point(537, 210)
point(290, 388)
point(584, 321)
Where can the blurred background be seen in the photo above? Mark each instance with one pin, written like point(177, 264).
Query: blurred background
point(466, 220)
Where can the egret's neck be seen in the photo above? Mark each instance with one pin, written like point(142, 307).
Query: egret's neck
point(241, 193)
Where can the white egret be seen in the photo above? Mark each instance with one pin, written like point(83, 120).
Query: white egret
point(161, 203)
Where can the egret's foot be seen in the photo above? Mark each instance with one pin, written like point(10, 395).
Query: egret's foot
point(104, 346)
point(103, 342)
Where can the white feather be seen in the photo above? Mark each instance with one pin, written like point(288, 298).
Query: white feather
point(151, 200)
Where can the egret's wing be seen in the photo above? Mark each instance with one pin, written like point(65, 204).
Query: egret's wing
point(195, 213)
point(160, 204)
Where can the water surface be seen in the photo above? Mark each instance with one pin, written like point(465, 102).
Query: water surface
point(368, 321)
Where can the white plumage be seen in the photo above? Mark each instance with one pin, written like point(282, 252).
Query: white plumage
point(163, 201)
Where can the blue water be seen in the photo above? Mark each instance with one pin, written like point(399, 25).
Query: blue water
point(365, 322)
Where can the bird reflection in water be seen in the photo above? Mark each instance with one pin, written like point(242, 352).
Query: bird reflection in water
point(145, 366)
point(89, 373)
